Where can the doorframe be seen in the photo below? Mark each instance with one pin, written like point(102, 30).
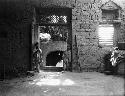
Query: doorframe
point(36, 24)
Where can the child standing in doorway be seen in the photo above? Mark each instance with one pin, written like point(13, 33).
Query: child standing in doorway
point(37, 57)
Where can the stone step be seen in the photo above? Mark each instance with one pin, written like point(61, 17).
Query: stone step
point(52, 68)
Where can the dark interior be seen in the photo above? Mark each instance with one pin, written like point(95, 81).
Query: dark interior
point(53, 58)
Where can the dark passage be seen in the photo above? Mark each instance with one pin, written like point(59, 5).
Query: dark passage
point(53, 58)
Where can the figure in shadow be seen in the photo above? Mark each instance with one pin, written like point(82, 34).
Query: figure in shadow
point(37, 57)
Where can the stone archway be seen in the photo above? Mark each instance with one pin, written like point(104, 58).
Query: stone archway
point(52, 47)
point(53, 57)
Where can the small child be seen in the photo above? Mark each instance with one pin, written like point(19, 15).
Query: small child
point(37, 57)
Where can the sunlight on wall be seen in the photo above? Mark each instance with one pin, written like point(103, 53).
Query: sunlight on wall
point(105, 33)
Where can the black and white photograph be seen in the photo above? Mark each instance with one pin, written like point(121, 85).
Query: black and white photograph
point(62, 47)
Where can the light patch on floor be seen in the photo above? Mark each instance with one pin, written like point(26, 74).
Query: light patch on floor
point(52, 79)
point(64, 84)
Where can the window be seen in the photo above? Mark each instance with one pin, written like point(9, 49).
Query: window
point(56, 22)
point(109, 25)
point(53, 19)
point(57, 33)
point(110, 14)
point(106, 34)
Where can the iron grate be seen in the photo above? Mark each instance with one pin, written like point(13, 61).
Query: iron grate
point(53, 19)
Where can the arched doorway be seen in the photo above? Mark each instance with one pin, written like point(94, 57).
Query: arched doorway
point(53, 58)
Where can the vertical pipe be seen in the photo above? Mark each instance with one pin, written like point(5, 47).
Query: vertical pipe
point(71, 39)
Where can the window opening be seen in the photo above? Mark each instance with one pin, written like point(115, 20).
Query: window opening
point(53, 19)
point(55, 33)
point(106, 34)
point(56, 23)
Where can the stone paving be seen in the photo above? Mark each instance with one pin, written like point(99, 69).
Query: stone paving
point(64, 84)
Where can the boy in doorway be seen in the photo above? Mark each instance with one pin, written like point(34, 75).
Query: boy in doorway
point(37, 57)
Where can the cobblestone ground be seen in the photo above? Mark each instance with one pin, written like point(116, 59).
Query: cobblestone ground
point(64, 84)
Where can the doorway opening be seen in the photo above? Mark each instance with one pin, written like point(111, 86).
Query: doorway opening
point(50, 26)
point(53, 58)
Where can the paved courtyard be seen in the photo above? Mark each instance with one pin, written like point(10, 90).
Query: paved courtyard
point(64, 84)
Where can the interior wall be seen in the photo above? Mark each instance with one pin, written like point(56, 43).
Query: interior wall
point(16, 19)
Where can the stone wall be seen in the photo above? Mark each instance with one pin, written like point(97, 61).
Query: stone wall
point(85, 19)
point(86, 15)
point(50, 47)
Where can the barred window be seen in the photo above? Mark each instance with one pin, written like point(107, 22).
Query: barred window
point(106, 34)
point(53, 19)
point(56, 16)
point(56, 22)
